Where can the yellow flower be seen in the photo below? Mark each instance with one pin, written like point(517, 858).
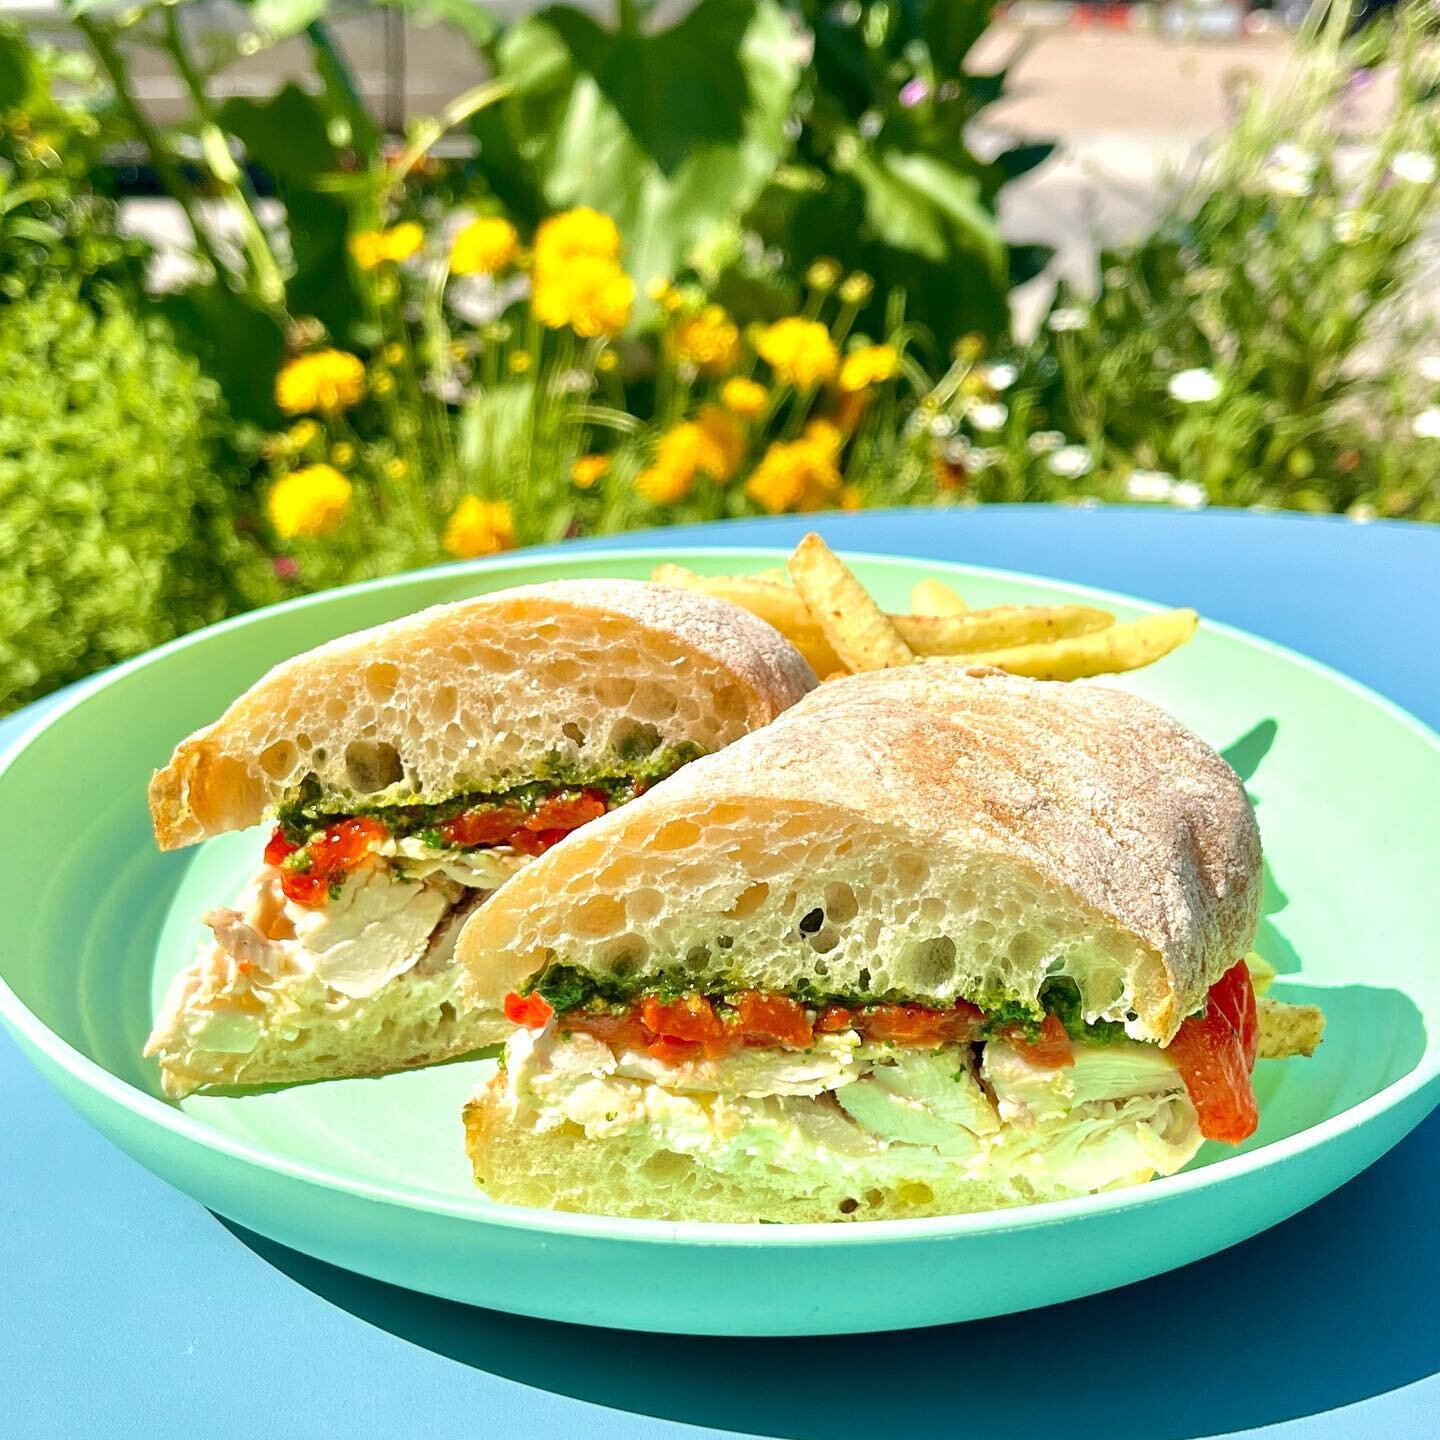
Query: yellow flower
point(591, 295)
point(870, 365)
point(664, 487)
point(580, 234)
point(794, 475)
point(856, 288)
point(709, 340)
point(607, 361)
point(395, 468)
point(393, 353)
point(799, 351)
point(374, 247)
point(589, 470)
point(310, 501)
point(343, 453)
point(484, 247)
point(326, 380)
point(851, 498)
point(744, 398)
point(724, 446)
point(383, 384)
point(479, 527)
point(519, 362)
point(825, 436)
point(302, 432)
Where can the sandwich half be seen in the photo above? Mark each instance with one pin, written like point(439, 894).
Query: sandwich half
point(406, 772)
point(937, 940)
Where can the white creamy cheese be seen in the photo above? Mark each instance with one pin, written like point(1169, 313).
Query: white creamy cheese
point(875, 1114)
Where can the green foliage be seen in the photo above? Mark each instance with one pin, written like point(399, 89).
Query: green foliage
point(1281, 277)
point(881, 176)
point(52, 219)
point(115, 534)
point(670, 133)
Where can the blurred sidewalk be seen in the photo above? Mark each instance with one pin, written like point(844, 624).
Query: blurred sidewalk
point(1130, 111)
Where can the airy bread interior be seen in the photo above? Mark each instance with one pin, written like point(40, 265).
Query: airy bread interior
point(926, 834)
point(402, 1026)
point(639, 1177)
point(477, 695)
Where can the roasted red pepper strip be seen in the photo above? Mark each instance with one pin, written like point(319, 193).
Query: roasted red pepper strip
point(531, 1011)
point(1050, 1048)
point(1215, 1053)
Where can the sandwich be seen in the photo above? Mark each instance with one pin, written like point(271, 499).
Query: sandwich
point(938, 940)
point(405, 772)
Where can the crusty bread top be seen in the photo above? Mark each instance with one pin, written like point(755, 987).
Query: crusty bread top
point(1017, 824)
point(475, 694)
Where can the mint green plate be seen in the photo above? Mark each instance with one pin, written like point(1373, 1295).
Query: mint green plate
point(370, 1174)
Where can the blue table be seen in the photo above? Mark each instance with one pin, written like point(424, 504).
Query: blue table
point(127, 1309)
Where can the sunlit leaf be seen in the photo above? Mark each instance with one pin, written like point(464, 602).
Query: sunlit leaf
point(670, 133)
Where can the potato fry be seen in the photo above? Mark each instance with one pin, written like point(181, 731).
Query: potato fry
point(775, 577)
point(775, 604)
point(1287, 1030)
point(857, 628)
point(1001, 626)
point(1127, 646)
point(1262, 972)
point(935, 597)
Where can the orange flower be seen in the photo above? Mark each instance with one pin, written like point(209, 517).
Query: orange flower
point(794, 475)
point(870, 365)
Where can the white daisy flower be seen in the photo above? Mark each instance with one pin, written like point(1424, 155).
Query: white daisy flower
point(1413, 166)
point(1068, 317)
point(989, 416)
point(1428, 367)
point(999, 377)
point(1070, 462)
point(1194, 387)
point(1361, 513)
point(1150, 485)
point(1043, 441)
point(1290, 170)
point(1427, 423)
point(1189, 495)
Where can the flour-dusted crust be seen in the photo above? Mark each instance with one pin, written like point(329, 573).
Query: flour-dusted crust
point(475, 694)
point(959, 831)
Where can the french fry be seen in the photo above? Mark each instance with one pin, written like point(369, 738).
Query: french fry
point(1287, 1030)
point(858, 630)
point(775, 604)
point(935, 597)
point(1127, 646)
point(1001, 627)
point(1262, 972)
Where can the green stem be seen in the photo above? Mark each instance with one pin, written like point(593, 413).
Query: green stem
point(113, 63)
point(269, 284)
point(460, 109)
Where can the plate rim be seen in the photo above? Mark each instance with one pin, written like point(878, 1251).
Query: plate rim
point(33, 1032)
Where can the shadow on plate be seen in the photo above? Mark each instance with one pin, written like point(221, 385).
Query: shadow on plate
point(1320, 1312)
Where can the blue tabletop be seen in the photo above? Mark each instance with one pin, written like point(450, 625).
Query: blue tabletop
point(127, 1309)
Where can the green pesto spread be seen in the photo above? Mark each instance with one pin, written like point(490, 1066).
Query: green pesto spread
point(309, 808)
point(567, 987)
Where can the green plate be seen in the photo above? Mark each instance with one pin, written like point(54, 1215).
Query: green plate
point(370, 1174)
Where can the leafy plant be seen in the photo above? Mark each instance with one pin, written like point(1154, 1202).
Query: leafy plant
point(55, 216)
point(1259, 344)
point(115, 531)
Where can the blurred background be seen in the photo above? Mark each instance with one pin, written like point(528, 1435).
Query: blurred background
point(296, 293)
